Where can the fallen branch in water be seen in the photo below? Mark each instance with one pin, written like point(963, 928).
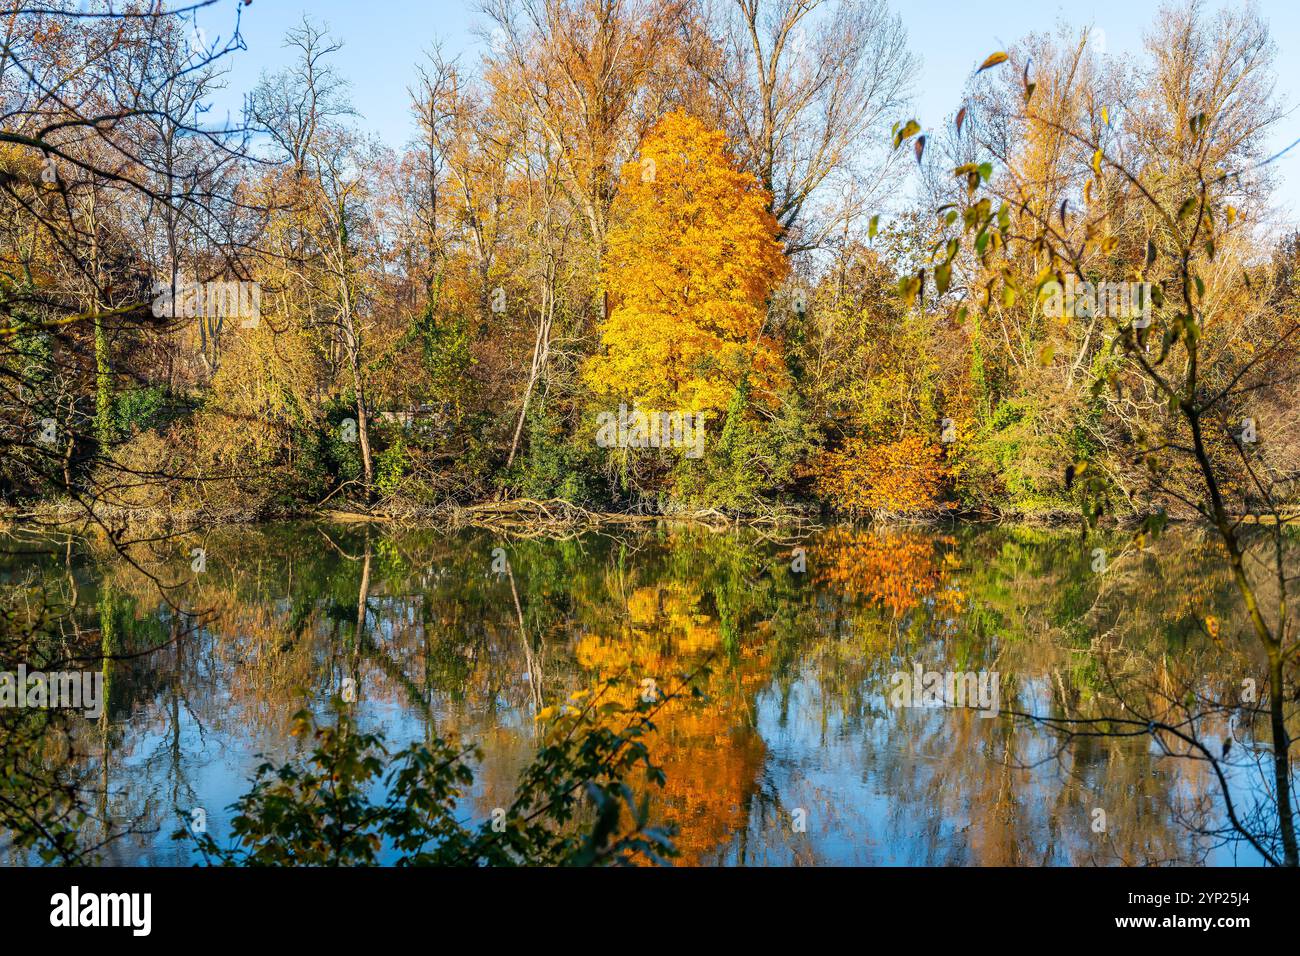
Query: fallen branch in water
point(529, 517)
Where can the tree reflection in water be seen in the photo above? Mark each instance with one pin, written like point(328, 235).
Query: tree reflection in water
point(796, 754)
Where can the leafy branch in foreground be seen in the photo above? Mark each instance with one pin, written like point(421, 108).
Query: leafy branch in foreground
point(353, 803)
point(1198, 350)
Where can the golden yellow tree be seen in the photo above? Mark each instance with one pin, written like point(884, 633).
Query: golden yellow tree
point(692, 258)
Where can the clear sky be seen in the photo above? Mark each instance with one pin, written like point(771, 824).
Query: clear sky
point(384, 39)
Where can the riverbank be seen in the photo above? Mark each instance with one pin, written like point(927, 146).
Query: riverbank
point(520, 517)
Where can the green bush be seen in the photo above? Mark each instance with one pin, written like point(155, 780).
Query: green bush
point(351, 802)
point(138, 410)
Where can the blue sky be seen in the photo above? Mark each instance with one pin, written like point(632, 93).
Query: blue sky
point(384, 39)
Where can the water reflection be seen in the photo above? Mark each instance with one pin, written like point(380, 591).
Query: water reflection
point(795, 757)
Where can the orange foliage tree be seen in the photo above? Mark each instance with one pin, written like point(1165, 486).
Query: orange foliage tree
point(691, 261)
point(900, 477)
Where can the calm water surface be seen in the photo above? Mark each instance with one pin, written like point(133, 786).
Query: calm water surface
point(797, 755)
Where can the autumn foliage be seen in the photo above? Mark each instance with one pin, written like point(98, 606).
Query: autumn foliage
point(692, 259)
point(894, 569)
point(899, 477)
point(710, 757)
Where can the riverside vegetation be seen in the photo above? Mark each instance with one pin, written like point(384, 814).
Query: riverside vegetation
point(652, 211)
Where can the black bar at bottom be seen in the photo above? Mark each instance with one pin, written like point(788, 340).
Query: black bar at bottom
point(362, 907)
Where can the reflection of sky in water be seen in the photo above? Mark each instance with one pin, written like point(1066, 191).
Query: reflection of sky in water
point(879, 785)
point(840, 772)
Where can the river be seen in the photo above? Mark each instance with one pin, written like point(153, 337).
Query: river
point(804, 749)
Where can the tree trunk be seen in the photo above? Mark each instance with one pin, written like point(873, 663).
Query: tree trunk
point(541, 348)
point(1281, 756)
